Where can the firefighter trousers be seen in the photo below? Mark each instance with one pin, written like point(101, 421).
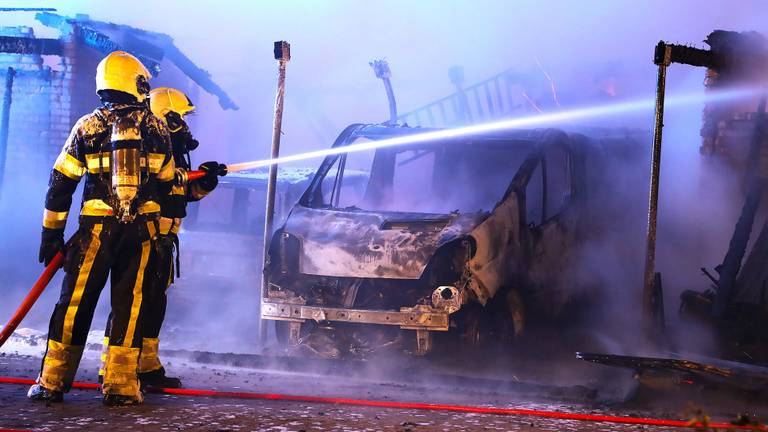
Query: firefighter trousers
point(155, 303)
point(102, 247)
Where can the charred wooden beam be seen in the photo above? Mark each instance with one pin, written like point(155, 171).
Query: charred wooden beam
point(26, 45)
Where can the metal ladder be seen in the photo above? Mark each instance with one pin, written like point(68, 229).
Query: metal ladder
point(500, 96)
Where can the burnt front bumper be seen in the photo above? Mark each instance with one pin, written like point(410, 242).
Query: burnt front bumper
point(420, 317)
point(423, 319)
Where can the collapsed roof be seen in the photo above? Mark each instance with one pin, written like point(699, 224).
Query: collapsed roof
point(149, 47)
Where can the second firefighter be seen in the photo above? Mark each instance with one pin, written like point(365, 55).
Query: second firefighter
point(171, 106)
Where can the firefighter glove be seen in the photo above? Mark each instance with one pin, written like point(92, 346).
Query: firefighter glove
point(212, 171)
point(51, 244)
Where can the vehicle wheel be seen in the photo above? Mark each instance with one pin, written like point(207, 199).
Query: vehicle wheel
point(474, 326)
point(503, 319)
point(514, 312)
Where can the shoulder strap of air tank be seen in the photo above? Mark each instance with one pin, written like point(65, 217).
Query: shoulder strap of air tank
point(102, 114)
point(144, 114)
point(143, 124)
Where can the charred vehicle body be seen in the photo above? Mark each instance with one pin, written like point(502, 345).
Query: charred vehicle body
point(439, 232)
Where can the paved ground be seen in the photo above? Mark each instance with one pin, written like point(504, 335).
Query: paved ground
point(82, 410)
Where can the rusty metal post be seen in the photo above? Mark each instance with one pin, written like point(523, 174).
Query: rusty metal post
point(5, 121)
point(663, 58)
point(384, 73)
point(283, 56)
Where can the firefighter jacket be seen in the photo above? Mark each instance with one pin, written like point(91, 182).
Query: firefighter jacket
point(176, 208)
point(87, 152)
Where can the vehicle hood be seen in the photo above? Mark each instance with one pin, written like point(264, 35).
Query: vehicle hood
point(364, 244)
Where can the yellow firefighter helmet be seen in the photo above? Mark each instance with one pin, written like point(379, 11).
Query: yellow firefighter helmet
point(163, 100)
point(123, 72)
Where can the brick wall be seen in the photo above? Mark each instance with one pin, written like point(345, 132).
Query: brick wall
point(40, 109)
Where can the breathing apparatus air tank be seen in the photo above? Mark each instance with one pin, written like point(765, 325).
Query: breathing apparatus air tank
point(126, 166)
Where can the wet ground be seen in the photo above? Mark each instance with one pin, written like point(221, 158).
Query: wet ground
point(416, 382)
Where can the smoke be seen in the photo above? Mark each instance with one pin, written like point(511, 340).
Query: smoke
point(589, 114)
point(597, 53)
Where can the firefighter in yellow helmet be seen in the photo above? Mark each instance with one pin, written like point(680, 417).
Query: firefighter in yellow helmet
point(170, 106)
point(124, 152)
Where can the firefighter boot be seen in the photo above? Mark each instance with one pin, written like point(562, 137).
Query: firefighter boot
point(39, 393)
point(115, 400)
point(157, 378)
point(58, 371)
point(151, 371)
point(121, 385)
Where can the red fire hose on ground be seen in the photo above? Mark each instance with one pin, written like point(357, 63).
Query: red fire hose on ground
point(558, 415)
point(32, 297)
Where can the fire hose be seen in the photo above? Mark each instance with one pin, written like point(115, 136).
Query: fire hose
point(32, 297)
point(194, 175)
point(557, 415)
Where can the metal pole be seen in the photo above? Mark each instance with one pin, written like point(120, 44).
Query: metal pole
point(5, 120)
point(282, 55)
point(662, 59)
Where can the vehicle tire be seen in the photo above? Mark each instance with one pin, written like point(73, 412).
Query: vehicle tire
point(474, 326)
point(514, 313)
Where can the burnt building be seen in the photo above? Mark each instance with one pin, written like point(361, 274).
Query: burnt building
point(48, 83)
